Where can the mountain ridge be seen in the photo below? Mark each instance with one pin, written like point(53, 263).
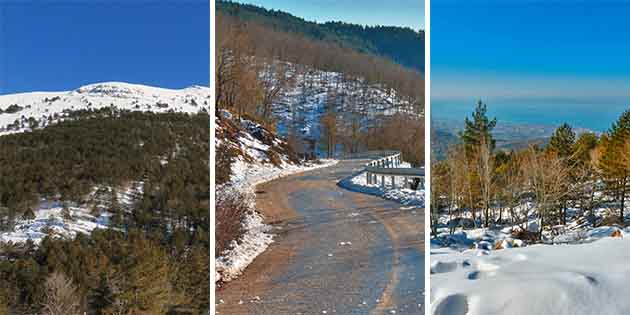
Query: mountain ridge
point(27, 110)
point(402, 45)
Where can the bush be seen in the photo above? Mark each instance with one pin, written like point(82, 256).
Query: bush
point(231, 208)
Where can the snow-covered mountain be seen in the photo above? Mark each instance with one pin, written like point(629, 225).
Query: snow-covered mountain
point(24, 111)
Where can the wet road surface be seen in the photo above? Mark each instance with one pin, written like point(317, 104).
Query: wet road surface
point(335, 252)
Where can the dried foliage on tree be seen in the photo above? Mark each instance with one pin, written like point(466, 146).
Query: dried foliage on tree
point(566, 173)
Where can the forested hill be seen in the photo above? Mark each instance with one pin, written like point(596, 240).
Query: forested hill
point(402, 45)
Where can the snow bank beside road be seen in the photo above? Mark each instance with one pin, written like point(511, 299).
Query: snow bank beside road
point(257, 236)
point(405, 196)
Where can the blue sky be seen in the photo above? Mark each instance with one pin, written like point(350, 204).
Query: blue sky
point(408, 13)
point(530, 49)
point(53, 45)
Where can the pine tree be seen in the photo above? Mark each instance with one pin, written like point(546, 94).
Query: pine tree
point(615, 170)
point(583, 146)
point(561, 145)
point(562, 141)
point(144, 282)
point(480, 127)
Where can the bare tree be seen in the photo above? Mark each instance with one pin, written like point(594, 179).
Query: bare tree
point(61, 296)
point(485, 169)
point(546, 177)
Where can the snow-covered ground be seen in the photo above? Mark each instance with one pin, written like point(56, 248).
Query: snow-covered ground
point(576, 268)
point(585, 278)
point(302, 106)
point(253, 166)
point(49, 107)
point(406, 196)
point(50, 219)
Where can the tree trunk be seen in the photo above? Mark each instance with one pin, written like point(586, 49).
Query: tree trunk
point(623, 199)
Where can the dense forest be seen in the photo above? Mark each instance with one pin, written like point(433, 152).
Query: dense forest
point(402, 45)
point(154, 260)
point(258, 63)
point(490, 188)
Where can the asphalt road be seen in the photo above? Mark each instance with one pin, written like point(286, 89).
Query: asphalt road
point(335, 252)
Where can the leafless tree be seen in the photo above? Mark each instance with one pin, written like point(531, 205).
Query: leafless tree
point(61, 296)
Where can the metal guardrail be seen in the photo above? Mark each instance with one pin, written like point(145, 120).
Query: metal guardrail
point(387, 165)
point(410, 172)
point(368, 155)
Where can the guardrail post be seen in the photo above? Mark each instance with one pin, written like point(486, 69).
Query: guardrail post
point(406, 182)
point(382, 180)
point(393, 181)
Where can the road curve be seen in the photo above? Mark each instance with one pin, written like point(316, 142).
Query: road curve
point(335, 252)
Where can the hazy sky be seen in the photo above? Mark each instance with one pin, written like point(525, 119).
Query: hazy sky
point(54, 45)
point(520, 49)
point(408, 13)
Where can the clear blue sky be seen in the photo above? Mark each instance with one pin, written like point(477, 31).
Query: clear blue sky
point(409, 13)
point(52, 45)
point(530, 49)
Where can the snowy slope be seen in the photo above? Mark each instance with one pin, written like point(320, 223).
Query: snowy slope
point(46, 107)
point(302, 105)
point(589, 278)
point(80, 217)
point(578, 268)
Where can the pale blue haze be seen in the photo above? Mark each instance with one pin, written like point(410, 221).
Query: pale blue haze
point(532, 61)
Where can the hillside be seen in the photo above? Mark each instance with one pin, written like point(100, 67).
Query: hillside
point(314, 93)
point(113, 187)
point(25, 111)
point(402, 45)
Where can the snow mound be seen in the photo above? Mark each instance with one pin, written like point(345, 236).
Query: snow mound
point(588, 278)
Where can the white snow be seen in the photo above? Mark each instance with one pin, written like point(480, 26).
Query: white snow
point(50, 221)
point(47, 107)
point(49, 216)
point(587, 278)
point(255, 240)
point(405, 196)
point(575, 269)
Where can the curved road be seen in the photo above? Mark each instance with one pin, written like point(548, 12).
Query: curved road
point(335, 252)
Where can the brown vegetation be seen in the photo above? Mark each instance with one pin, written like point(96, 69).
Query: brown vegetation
point(231, 208)
point(475, 179)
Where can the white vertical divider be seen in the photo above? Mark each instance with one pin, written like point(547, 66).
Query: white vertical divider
point(212, 158)
point(427, 155)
